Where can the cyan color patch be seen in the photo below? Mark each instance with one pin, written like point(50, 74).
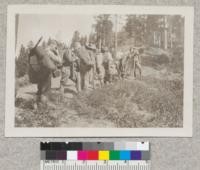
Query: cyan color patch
point(125, 155)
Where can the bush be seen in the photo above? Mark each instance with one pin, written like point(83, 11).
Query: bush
point(155, 57)
point(177, 63)
point(21, 82)
point(21, 63)
point(126, 103)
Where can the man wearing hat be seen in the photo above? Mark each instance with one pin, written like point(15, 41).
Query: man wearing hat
point(92, 52)
point(136, 59)
point(53, 53)
point(99, 67)
point(107, 62)
point(85, 64)
point(50, 61)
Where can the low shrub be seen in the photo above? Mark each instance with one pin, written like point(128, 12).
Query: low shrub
point(124, 102)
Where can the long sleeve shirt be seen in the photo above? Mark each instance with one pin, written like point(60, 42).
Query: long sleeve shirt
point(54, 56)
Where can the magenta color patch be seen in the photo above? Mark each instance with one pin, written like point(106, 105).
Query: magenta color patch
point(82, 155)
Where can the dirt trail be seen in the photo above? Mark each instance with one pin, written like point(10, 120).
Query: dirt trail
point(62, 116)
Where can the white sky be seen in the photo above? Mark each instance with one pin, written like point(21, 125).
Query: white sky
point(59, 27)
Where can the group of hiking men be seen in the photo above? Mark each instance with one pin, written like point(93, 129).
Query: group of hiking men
point(85, 65)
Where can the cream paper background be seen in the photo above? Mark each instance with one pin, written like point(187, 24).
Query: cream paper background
point(185, 131)
point(167, 153)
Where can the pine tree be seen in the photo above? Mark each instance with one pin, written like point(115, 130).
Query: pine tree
point(136, 27)
point(103, 29)
point(75, 38)
point(22, 62)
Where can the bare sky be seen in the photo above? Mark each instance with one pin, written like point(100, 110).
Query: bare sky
point(60, 27)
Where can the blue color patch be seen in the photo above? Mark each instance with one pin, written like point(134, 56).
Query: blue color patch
point(125, 155)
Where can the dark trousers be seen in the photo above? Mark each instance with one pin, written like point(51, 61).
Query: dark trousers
point(44, 84)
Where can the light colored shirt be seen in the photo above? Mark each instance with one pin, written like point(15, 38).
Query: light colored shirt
point(107, 57)
point(56, 58)
point(99, 60)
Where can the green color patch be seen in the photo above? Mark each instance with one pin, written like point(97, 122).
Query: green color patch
point(114, 155)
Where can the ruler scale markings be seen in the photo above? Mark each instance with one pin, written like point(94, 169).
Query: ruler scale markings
point(104, 156)
point(48, 167)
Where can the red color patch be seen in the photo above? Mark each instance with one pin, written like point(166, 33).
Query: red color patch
point(93, 155)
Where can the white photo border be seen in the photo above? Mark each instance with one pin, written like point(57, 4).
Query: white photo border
point(12, 131)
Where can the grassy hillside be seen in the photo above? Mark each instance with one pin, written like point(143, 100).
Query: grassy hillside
point(154, 101)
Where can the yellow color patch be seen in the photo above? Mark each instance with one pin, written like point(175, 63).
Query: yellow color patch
point(103, 155)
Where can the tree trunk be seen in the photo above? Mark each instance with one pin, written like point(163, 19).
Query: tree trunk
point(159, 39)
point(116, 29)
point(99, 42)
point(165, 33)
point(154, 38)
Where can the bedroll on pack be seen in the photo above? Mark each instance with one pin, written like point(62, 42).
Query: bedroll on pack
point(44, 58)
point(39, 64)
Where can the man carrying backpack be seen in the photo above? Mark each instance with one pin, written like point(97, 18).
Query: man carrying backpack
point(86, 65)
point(136, 59)
point(91, 48)
point(107, 63)
point(46, 61)
point(99, 67)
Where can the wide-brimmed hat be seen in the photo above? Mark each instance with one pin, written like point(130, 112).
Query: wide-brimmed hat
point(90, 46)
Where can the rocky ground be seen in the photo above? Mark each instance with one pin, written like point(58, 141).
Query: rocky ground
point(154, 101)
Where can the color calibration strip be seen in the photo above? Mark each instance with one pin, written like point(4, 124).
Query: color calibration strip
point(95, 156)
point(95, 151)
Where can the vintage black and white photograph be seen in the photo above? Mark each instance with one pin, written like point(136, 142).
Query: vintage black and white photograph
point(101, 69)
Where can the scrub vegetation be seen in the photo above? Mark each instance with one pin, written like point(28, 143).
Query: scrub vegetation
point(154, 101)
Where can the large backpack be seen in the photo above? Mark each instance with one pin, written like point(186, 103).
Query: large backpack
point(44, 58)
point(67, 58)
point(39, 64)
point(34, 67)
point(85, 58)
